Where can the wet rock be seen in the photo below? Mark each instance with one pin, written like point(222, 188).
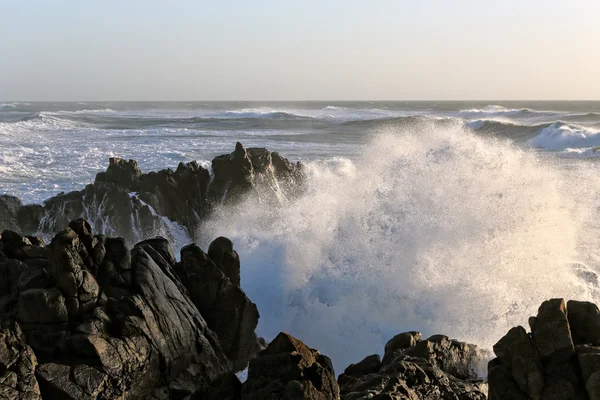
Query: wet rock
point(551, 332)
point(584, 322)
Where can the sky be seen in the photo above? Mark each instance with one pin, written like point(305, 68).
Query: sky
point(67, 50)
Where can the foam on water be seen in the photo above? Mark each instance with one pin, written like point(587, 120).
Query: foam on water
point(434, 230)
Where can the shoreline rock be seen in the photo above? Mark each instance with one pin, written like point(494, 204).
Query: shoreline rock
point(125, 202)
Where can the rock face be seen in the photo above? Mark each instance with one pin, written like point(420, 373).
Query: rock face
point(224, 305)
point(288, 369)
point(125, 202)
point(87, 318)
point(559, 359)
point(412, 368)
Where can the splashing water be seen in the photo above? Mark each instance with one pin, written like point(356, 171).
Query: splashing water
point(440, 231)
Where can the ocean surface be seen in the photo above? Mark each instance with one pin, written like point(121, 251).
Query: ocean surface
point(444, 217)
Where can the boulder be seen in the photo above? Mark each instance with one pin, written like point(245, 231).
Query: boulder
point(288, 369)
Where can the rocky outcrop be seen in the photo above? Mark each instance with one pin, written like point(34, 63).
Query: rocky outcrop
point(288, 369)
point(224, 305)
point(558, 359)
point(412, 368)
point(125, 202)
point(90, 318)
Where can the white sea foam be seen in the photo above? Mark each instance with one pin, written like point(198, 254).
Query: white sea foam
point(561, 136)
point(438, 231)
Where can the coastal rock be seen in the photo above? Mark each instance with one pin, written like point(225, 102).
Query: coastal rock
point(416, 369)
point(9, 209)
point(224, 305)
point(123, 201)
point(558, 360)
point(144, 337)
point(17, 368)
point(288, 369)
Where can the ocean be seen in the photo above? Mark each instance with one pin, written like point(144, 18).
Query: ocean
point(445, 217)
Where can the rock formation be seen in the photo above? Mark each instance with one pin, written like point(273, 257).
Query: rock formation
point(412, 369)
point(558, 359)
point(127, 203)
point(87, 318)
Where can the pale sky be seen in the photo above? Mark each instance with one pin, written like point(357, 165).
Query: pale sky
point(299, 50)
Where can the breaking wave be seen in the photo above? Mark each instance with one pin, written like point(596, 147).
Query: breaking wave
point(438, 230)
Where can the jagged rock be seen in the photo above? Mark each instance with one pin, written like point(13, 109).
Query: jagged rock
point(546, 364)
point(122, 172)
point(149, 338)
point(416, 369)
point(9, 208)
point(17, 368)
point(221, 252)
point(125, 202)
point(288, 369)
point(401, 341)
point(226, 308)
point(551, 332)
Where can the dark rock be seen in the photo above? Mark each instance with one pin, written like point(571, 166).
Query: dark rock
point(368, 365)
point(227, 387)
point(400, 342)
point(551, 332)
point(29, 217)
point(221, 252)
point(517, 353)
point(9, 208)
point(584, 322)
point(226, 308)
point(288, 369)
point(121, 172)
point(17, 368)
point(42, 306)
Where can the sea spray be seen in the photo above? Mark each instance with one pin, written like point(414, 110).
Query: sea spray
point(440, 231)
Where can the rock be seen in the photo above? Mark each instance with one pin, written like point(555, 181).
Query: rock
point(42, 306)
point(288, 369)
point(551, 332)
point(400, 342)
point(225, 307)
point(9, 208)
point(221, 252)
point(29, 218)
point(10, 272)
point(543, 366)
point(227, 387)
point(368, 365)
point(584, 322)
point(435, 368)
point(517, 353)
point(17, 368)
point(121, 172)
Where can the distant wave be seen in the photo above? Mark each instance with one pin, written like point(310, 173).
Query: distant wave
point(499, 111)
point(561, 136)
point(264, 113)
